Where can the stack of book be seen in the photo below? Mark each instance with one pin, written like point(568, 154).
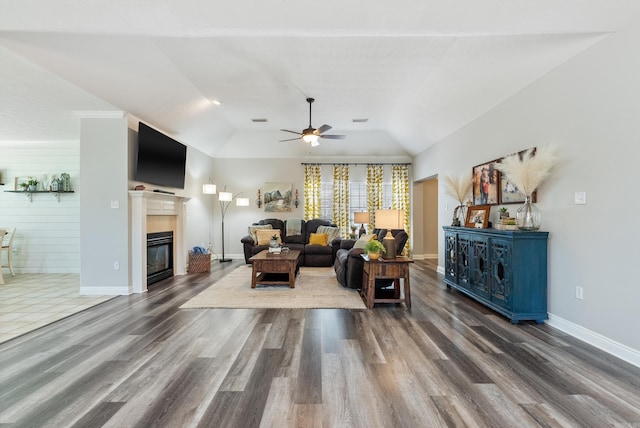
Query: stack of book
point(506, 223)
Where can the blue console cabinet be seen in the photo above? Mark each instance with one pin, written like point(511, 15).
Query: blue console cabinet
point(505, 270)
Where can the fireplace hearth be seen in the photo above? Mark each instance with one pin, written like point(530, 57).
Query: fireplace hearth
point(159, 256)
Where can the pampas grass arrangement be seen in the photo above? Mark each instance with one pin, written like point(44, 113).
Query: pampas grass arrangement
point(528, 173)
point(459, 188)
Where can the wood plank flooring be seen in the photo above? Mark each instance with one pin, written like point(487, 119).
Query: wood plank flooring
point(140, 361)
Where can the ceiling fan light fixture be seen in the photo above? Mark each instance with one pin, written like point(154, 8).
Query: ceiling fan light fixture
point(311, 139)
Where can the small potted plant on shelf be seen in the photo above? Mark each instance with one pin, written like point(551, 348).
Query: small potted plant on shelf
point(274, 241)
point(374, 248)
point(33, 184)
point(504, 213)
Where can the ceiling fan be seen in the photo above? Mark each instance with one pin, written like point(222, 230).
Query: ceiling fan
point(311, 135)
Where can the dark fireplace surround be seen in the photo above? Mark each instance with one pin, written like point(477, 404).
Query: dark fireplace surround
point(159, 256)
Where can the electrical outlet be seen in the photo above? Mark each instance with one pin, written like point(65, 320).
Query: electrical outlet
point(115, 204)
point(579, 293)
point(116, 265)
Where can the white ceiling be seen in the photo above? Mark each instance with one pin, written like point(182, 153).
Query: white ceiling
point(418, 70)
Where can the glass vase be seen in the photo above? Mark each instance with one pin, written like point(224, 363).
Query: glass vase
point(528, 215)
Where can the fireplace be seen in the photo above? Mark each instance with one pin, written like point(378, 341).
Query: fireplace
point(159, 256)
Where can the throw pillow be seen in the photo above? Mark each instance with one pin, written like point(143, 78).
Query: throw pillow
point(253, 228)
point(331, 231)
point(264, 236)
point(318, 239)
point(362, 242)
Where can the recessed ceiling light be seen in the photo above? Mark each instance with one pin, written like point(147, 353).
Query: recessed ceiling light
point(215, 102)
point(260, 120)
point(363, 120)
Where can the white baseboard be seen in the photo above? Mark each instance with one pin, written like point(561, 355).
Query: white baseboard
point(424, 256)
point(105, 291)
point(215, 257)
point(630, 355)
point(440, 270)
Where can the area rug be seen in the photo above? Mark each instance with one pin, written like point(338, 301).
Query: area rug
point(314, 288)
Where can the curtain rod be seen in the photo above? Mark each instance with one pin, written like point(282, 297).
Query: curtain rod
point(354, 163)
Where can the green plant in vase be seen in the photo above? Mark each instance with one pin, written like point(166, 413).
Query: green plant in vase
point(32, 184)
point(374, 248)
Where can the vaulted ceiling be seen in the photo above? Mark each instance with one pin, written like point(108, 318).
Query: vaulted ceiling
point(417, 70)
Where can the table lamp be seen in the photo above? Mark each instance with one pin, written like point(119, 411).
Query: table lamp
point(362, 218)
point(389, 219)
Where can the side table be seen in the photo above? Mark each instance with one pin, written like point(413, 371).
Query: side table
point(395, 269)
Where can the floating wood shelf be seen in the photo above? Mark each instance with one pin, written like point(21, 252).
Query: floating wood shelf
point(29, 193)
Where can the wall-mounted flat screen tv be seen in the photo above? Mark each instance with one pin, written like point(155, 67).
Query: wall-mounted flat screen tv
point(161, 160)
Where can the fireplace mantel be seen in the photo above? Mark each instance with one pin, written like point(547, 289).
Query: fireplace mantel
point(143, 204)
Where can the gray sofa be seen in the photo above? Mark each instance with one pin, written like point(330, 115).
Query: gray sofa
point(310, 255)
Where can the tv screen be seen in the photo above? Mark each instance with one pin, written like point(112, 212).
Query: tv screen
point(161, 160)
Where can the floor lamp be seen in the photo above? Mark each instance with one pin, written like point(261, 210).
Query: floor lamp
point(209, 189)
point(389, 219)
point(225, 199)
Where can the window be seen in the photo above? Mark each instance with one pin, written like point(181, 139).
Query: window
point(357, 198)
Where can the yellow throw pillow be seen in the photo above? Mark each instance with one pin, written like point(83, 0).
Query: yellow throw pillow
point(264, 236)
point(254, 227)
point(318, 239)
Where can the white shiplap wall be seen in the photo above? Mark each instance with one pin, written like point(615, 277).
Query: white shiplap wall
point(47, 238)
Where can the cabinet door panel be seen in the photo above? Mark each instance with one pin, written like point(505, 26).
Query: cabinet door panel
point(450, 252)
point(480, 266)
point(501, 274)
point(464, 253)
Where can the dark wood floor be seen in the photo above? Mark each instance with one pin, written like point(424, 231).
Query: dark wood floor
point(140, 361)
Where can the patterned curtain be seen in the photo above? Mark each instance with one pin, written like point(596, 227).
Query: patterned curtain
point(341, 198)
point(312, 177)
point(401, 199)
point(374, 193)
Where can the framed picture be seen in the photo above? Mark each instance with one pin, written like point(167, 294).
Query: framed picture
point(509, 193)
point(486, 184)
point(478, 216)
point(277, 197)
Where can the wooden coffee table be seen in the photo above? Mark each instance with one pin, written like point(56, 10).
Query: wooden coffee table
point(269, 268)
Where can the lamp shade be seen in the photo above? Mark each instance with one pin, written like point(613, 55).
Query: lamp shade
point(209, 189)
point(242, 202)
point(390, 219)
point(311, 139)
point(362, 217)
point(225, 196)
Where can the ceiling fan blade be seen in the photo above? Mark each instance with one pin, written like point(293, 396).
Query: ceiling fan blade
point(333, 137)
point(324, 128)
point(293, 132)
point(290, 139)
